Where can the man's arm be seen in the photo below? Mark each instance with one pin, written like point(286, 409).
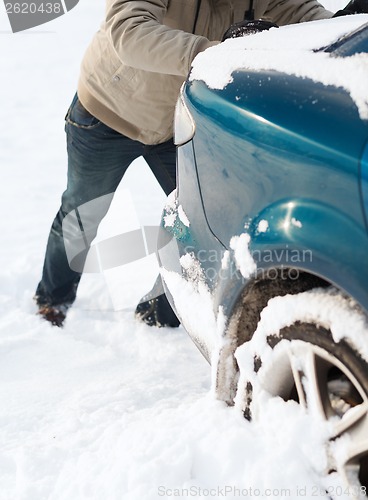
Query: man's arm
point(141, 41)
point(295, 11)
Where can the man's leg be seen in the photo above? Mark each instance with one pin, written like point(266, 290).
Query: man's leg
point(161, 159)
point(154, 308)
point(97, 160)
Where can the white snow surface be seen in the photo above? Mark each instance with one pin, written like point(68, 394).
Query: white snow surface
point(107, 407)
point(289, 49)
point(183, 216)
point(262, 226)
point(243, 257)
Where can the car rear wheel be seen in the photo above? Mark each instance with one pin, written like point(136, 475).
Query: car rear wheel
point(327, 376)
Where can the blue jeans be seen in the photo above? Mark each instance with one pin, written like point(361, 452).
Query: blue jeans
point(98, 157)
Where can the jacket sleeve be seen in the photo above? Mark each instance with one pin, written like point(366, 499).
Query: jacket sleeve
point(140, 39)
point(284, 12)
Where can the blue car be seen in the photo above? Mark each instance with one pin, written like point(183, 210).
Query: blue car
point(264, 253)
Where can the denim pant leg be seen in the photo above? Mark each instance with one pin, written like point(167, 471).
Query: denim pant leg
point(161, 159)
point(98, 157)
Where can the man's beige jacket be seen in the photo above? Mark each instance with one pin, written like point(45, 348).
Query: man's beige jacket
point(133, 69)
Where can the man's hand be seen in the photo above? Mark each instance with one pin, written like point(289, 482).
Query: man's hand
point(245, 28)
point(353, 7)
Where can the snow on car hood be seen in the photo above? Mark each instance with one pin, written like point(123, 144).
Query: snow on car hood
point(289, 49)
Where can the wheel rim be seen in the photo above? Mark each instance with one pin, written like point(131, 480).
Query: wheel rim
point(326, 388)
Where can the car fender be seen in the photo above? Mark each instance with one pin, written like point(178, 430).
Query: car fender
point(302, 235)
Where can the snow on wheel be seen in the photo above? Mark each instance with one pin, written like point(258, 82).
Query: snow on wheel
point(311, 350)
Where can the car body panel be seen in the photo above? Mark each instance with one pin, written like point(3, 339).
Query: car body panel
point(269, 150)
point(364, 183)
point(274, 150)
point(283, 162)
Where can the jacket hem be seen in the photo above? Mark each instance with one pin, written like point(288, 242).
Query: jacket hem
point(114, 121)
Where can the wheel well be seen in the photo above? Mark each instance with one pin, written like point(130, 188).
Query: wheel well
point(246, 315)
point(260, 290)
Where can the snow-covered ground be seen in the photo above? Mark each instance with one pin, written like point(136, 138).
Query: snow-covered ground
point(106, 407)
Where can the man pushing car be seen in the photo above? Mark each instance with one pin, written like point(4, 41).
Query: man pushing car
point(124, 107)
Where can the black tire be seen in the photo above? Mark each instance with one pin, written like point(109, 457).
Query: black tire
point(302, 361)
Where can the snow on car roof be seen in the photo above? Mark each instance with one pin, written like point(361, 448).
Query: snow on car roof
point(290, 49)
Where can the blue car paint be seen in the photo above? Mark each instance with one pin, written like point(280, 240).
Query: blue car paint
point(284, 159)
point(364, 183)
point(198, 237)
point(271, 150)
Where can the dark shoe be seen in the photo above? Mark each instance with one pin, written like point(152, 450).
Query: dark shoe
point(157, 312)
point(53, 314)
